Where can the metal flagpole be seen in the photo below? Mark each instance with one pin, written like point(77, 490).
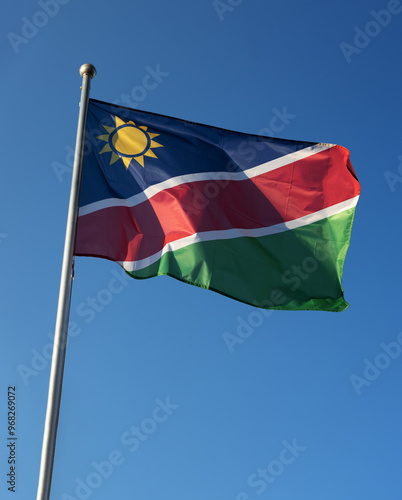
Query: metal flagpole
point(87, 71)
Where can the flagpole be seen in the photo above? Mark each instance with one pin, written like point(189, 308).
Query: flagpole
point(87, 72)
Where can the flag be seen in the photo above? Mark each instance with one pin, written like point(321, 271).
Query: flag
point(262, 220)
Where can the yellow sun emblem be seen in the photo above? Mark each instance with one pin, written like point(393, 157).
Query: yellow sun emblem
point(128, 142)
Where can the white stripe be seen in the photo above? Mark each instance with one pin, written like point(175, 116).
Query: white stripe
point(228, 234)
point(204, 176)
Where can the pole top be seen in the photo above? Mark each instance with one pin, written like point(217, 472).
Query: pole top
point(88, 69)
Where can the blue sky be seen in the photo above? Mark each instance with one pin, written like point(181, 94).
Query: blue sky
point(155, 404)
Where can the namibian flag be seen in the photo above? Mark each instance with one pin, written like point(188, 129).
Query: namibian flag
point(265, 221)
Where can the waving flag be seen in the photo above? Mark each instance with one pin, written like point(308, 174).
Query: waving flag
point(262, 220)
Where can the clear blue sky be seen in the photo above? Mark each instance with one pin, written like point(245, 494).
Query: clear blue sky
point(307, 406)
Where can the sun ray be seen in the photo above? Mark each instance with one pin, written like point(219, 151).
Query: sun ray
point(150, 153)
point(139, 159)
point(104, 137)
point(114, 158)
point(155, 145)
point(119, 122)
point(108, 129)
point(126, 161)
point(106, 149)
